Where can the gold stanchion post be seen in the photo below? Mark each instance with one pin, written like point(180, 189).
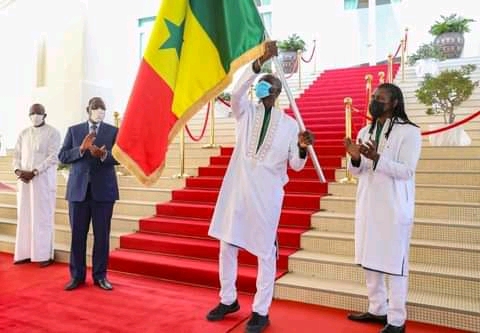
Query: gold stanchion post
point(381, 77)
point(182, 173)
point(402, 59)
point(212, 144)
point(348, 134)
point(116, 118)
point(121, 170)
point(390, 69)
point(299, 65)
point(404, 53)
point(368, 80)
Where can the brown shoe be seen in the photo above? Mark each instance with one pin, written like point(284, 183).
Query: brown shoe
point(45, 263)
point(367, 317)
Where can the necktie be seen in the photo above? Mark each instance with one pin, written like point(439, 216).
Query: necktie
point(93, 129)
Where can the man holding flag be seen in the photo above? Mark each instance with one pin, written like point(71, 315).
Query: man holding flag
point(250, 200)
point(194, 50)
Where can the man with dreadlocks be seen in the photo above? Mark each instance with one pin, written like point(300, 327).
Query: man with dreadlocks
point(384, 159)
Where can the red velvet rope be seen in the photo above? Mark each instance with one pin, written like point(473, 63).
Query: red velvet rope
point(203, 129)
point(398, 50)
point(438, 130)
point(458, 123)
point(224, 102)
point(311, 55)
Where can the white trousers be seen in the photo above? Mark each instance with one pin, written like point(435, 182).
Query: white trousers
point(228, 266)
point(35, 220)
point(392, 304)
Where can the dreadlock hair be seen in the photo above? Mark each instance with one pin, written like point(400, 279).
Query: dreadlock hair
point(399, 114)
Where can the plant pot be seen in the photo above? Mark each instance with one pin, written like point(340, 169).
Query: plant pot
point(288, 59)
point(65, 174)
point(451, 44)
point(453, 137)
point(426, 66)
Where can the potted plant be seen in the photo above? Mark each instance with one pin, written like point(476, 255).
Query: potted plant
point(442, 94)
point(64, 170)
point(449, 32)
point(289, 51)
point(426, 59)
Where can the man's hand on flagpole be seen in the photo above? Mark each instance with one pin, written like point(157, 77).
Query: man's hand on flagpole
point(270, 52)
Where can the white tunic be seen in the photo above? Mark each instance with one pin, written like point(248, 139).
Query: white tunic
point(36, 148)
point(248, 209)
point(386, 200)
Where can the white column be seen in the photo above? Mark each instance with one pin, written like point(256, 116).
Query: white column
point(372, 32)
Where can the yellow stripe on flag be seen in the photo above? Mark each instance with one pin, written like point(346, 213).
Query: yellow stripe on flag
point(206, 64)
point(165, 61)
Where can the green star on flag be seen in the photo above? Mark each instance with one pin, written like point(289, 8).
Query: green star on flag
point(175, 40)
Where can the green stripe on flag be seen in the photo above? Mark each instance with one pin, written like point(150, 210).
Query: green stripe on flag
point(234, 26)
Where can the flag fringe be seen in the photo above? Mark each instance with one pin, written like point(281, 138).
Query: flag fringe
point(124, 159)
point(148, 180)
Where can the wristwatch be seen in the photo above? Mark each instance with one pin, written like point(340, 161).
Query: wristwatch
point(35, 172)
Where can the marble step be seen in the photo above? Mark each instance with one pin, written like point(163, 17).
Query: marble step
point(435, 308)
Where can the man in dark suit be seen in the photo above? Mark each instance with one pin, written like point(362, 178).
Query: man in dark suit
point(91, 192)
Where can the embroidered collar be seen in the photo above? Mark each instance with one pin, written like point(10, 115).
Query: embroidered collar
point(269, 136)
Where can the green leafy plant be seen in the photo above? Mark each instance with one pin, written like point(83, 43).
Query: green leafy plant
point(292, 43)
point(426, 51)
point(225, 95)
point(62, 166)
point(446, 91)
point(451, 23)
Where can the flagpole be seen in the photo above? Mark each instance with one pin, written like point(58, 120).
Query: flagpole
point(296, 112)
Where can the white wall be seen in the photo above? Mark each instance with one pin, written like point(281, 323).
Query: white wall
point(112, 49)
point(22, 25)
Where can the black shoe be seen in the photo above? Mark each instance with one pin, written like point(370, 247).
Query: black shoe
point(367, 317)
point(257, 323)
point(74, 284)
point(221, 310)
point(45, 263)
point(104, 284)
point(23, 261)
point(393, 329)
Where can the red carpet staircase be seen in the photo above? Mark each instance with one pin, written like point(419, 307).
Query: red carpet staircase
point(174, 244)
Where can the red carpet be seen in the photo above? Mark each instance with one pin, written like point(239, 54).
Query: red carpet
point(174, 244)
point(32, 300)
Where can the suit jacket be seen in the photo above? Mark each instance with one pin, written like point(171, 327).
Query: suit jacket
point(88, 169)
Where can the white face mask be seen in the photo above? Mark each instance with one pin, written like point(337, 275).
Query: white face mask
point(37, 119)
point(97, 115)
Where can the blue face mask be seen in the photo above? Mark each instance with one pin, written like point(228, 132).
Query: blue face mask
point(262, 89)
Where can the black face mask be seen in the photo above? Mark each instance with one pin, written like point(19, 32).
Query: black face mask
point(376, 108)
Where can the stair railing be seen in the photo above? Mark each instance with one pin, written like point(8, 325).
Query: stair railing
point(348, 179)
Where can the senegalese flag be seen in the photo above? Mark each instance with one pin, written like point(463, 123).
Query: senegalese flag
point(194, 49)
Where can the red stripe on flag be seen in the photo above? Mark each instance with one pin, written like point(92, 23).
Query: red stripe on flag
point(143, 135)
